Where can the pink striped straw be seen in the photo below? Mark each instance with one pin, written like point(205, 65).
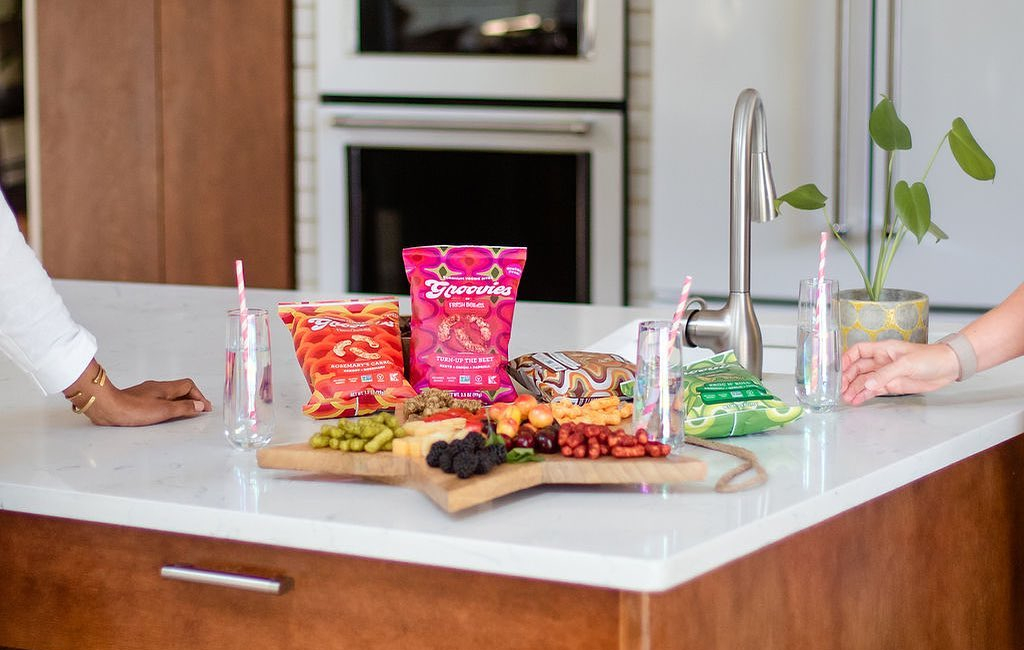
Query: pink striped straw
point(819, 311)
point(677, 318)
point(243, 321)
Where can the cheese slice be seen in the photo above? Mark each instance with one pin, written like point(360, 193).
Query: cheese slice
point(419, 446)
point(422, 428)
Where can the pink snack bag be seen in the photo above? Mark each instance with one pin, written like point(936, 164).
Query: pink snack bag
point(463, 298)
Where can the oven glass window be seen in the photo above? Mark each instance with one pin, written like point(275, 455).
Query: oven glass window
point(413, 197)
point(526, 27)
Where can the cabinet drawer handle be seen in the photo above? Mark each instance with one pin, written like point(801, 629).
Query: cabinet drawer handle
point(206, 577)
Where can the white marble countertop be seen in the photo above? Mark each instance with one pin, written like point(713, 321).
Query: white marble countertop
point(183, 477)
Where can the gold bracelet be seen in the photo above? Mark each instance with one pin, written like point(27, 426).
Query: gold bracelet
point(100, 380)
point(87, 404)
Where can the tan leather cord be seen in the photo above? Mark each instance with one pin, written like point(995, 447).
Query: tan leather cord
point(750, 463)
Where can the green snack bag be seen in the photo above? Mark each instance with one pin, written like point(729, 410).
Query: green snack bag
point(724, 399)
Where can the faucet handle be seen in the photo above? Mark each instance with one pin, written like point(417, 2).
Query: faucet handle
point(696, 300)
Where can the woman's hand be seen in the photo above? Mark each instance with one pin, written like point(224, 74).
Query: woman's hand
point(896, 368)
point(147, 403)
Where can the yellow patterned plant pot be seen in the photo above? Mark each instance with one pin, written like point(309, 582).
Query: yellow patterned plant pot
point(899, 314)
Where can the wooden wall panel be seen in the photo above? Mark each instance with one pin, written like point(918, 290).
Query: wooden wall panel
point(98, 140)
point(227, 155)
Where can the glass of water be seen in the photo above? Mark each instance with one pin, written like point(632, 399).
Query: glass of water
point(658, 400)
point(818, 355)
point(248, 385)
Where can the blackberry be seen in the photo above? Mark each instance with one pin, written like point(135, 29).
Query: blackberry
point(464, 464)
point(445, 460)
point(475, 441)
point(436, 451)
point(484, 462)
point(498, 453)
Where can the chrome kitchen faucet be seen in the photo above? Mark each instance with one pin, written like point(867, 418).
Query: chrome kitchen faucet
point(752, 197)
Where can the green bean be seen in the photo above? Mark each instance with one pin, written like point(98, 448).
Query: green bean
point(370, 433)
point(318, 441)
point(379, 441)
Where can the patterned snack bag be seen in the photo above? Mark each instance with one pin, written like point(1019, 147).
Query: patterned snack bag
point(724, 399)
point(351, 355)
point(574, 375)
point(463, 298)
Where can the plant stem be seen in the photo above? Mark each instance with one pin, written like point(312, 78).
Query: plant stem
point(842, 242)
point(887, 218)
point(883, 270)
point(878, 279)
point(934, 156)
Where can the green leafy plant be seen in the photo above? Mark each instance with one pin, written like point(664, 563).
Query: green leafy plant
point(909, 200)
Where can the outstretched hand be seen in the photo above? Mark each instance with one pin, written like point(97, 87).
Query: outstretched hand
point(147, 403)
point(896, 368)
point(151, 402)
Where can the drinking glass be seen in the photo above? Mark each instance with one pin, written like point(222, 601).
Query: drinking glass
point(818, 357)
point(658, 401)
point(248, 386)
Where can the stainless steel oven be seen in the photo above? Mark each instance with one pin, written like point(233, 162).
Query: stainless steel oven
point(508, 49)
point(473, 121)
point(550, 179)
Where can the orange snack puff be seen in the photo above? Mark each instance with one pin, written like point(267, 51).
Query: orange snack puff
point(350, 352)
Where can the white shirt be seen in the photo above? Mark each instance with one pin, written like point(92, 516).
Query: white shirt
point(36, 330)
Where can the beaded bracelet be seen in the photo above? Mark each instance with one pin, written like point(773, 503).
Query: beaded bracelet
point(100, 380)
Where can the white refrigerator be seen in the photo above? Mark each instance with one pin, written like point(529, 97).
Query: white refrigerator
point(820, 66)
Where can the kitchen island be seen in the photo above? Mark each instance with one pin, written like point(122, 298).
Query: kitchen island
point(895, 524)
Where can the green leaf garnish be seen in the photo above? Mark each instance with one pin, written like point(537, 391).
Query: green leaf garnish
point(522, 455)
point(493, 438)
point(969, 154)
point(886, 128)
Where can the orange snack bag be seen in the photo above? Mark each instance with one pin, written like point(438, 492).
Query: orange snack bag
point(350, 352)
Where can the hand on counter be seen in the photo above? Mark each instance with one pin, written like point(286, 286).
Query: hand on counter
point(150, 402)
point(896, 368)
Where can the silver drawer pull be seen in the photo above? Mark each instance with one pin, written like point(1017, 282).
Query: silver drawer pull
point(570, 127)
point(220, 579)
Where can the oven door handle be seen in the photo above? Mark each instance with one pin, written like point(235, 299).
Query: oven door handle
point(554, 127)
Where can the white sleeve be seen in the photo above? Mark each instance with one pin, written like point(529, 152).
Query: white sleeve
point(36, 330)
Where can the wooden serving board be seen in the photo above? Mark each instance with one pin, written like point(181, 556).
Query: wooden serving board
point(454, 494)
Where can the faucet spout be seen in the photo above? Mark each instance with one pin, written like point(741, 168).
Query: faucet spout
point(751, 188)
point(751, 198)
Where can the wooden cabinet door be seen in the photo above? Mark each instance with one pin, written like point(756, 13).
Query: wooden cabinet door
point(98, 135)
point(227, 146)
point(166, 140)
